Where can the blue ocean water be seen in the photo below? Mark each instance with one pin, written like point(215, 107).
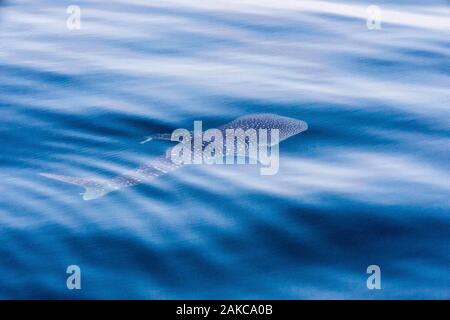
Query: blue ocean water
point(367, 184)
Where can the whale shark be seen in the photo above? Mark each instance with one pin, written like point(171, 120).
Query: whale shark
point(159, 166)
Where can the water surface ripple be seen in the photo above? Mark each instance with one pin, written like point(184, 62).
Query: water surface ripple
point(368, 183)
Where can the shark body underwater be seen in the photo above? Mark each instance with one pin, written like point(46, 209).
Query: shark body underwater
point(96, 188)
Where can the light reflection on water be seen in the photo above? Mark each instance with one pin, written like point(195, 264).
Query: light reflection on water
point(368, 183)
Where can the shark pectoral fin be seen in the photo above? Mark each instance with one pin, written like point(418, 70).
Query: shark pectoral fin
point(94, 188)
point(147, 139)
point(157, 136)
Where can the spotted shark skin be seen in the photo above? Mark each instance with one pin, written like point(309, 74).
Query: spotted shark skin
point(96, 188)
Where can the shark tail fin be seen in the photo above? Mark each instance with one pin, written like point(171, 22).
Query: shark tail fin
point(94, 188)
point(157, 136)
